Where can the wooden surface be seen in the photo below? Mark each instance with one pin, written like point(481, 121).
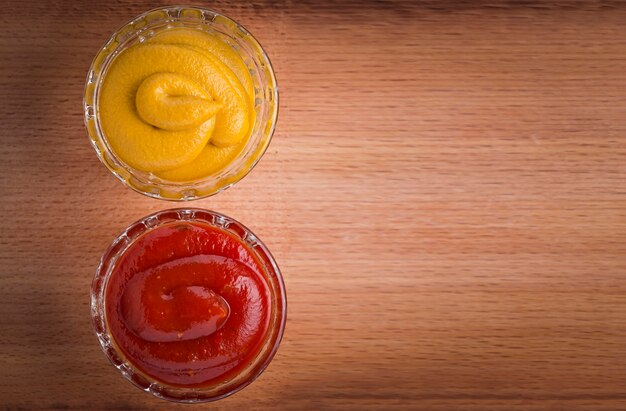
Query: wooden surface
point(445, 194)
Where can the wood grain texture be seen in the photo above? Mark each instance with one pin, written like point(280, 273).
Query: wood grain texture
point(445, 194)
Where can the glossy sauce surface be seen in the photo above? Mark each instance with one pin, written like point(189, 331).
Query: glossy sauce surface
point(188, 304)
point(179, 105)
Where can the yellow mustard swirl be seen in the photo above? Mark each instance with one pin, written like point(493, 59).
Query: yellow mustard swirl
point(180, 106)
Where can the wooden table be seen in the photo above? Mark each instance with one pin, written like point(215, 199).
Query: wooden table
point(445, 194)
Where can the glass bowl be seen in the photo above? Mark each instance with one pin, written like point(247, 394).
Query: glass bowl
point(148, 383)
point(265, 104)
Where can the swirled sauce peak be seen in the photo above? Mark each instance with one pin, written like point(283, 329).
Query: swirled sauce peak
point(174, 107)
point(172, 102)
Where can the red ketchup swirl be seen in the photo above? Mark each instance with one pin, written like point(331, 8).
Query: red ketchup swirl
point(188, 304)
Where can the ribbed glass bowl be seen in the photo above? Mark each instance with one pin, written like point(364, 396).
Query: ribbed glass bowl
point(265, 103)
point(143, 381)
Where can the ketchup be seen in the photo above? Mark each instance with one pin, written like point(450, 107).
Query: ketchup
point(188, 304)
